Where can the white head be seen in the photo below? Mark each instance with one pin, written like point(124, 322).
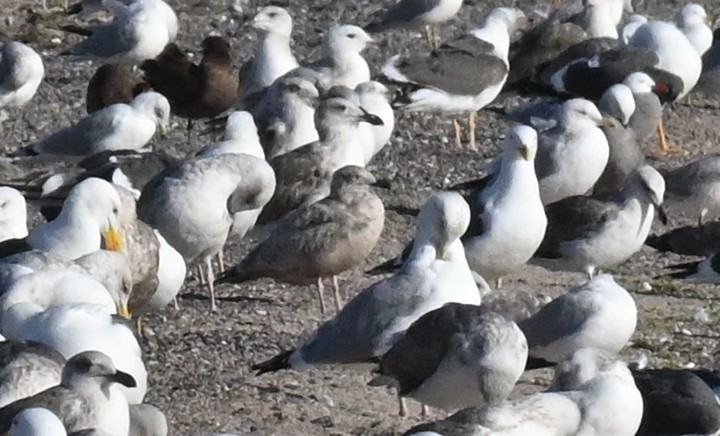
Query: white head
point(511, 18)
point(345, 39)
point(96, 200)
point(632, 24)
point(240, 124)
point(13, 214)
point(273, 20)
point(374, 89)
point(584, 365)
point(443, 219)
point(300, 89)
point(618, 102)
point(521, 142)
point(692, 14)
point(155, 106)
point(580, 112)
point(96, 366)
point(639, 83)
point(37, 422)
point(649, 185)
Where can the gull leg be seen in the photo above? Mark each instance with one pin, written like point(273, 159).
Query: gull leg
point(189, 129)
point(456, 126)
point(498, 283)
point(320, 289)
point(138, 324)
point(425, 411)
point(177, 306)
point(201, 274)
point(429, 36)
point(701, 218)
point(471, 126)
point(210, 280)
point(664, 147)
point(403, 407)
point(336, 293)
point(221, 261)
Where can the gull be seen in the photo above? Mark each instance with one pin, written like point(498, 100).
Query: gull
point(648, 104)
point(13, 214)
point(37, 421)
point(509, 219)
point(701, 240)
point(703, 271)
point(709, 82)
point(21, 71)
point(572, 155)
point(87, 397)
point(320, 240)
point(463, 75)
point(304, 174)
point(117, 127)
point(436, 273)
point(691, 19)
point(598, 314)
point(193, 205)
point(374, 97)
point(147, 420)
point(27, 369)
point(119, 7)
point(342, 63)
point(412, 13)
point(137, 32)
point(693, 188)
point(273, 55)
point(113, 83)
point(457, 356)
point(586, 233)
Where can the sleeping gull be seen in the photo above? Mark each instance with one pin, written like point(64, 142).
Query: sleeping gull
point(648, 104)
point(342, 63)
point(87, 397)
point(116, 127)
point(597, 314)
point(374, 98)
point(694, 188)
point(273, 55)
point(320, 240)
point(463, 75)
point(701, 240)
point(412, 13)
point(436, 273)
point(457, 356)
point(113, 83)
point(304, 174)
point(585, 233)
point(37, 421)
point(27, 368)
point(157, 6)
point(13, 214)
point(193, 205)
point(572, 155)
point(509, 219)
point(21, 71)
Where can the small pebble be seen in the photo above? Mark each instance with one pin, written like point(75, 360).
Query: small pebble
point(646, 287)
point(701, 315)
point(325, 400)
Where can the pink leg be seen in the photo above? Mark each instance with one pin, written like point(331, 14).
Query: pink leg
point(336, 293)
point(320, 295)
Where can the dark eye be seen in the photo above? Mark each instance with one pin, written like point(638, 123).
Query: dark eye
point(293, 88)
point(115, 210)
point(272, 14)
point(351, 35)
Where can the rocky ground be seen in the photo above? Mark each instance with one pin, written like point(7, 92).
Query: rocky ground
point(199, 361)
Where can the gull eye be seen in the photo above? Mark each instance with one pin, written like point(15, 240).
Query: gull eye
point(351, 35)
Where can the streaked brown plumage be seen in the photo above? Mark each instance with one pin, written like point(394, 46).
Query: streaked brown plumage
point(113, 83)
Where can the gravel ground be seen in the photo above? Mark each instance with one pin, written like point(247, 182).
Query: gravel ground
point(199, 361)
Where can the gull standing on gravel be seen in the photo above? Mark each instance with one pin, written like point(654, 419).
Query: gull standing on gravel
point(586, 233)
point(273, 55)
point(415, 13)
point(13, 214)
point(342, 63)
point(463, 75)
point(509, 219)
point(457, 356)
point(193, 205)
point(27, 369)
point(597, 314)
point(436, 273)
point(374, 97)
point(116, 127)
point(87, 397)
point(320, 240)
point(21, 71)
point(572, 156)
point(694, 188)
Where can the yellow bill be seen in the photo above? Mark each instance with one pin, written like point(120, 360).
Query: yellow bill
point(123, 310)
point(113, 240)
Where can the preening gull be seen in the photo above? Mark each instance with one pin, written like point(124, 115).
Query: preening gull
point(13, 214)
point(171, 275)
point(193, 205)
point(273, 55)
point(320, 240)
point(702, 240)
point(457, 356)
point(586, 233)
point(694, 188)
point(117, 127)
point(597, 314)
point(412, 13)
point(572, 156)
point(113, 83)
point(21, 71)
point(374, 98)
point(342, 63)
point(509, 218)
point(87, 397)
point(463, 75)
point(27, 368)
point(37, 421)
point(436, 273)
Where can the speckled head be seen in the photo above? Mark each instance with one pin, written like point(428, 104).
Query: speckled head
point(443, 219)
point(97, 365)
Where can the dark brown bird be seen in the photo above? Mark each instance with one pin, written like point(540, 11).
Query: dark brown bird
point(113, 83)
point(195, 91)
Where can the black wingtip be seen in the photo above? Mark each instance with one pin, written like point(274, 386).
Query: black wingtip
point(387, 267)
point(74, 9)
point(537, 363)
point(374, 27)
point(281, 361)
point(658, 242)
point(78, 30)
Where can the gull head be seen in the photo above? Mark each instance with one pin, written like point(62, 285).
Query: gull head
point(351, 175)
point(96, 366)
point(584, 365)
point(521, 141)
point(300, 88)
point(639, 83)
point(216, 46)
point(155, 106)
point(345, 39)
point(691, 15)
point(373, 88)
point(442, 220)
point(649, 184)
point(618, 102)
point(274, 20)
point(111, 269)
point(36, 421)
point(13, 213)
point(513, 18)
point(339, 113)
point(100, 202)
point(582, 113)
point(239, 124)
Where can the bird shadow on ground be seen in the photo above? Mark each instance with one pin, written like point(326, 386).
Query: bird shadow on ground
point(194, 296)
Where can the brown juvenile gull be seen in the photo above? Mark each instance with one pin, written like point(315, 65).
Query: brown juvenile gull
point(27, 368)
point(87, 397)
point(320, 240)
point(193, 205)
point(21, 71)
point(113, 83)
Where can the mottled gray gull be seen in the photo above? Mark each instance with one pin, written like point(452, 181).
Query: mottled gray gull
point(320, 240)
point(27, 368)
point(585, 233)
point(436, 273)
point(21, 71)
point(694, 188)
